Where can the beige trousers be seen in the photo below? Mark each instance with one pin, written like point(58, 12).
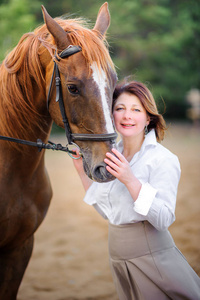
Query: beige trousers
point(146, 265)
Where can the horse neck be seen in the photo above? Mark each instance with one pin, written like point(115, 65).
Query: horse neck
point(23, 160)
point(19, 156)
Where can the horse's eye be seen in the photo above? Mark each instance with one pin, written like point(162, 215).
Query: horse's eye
point(72, 88)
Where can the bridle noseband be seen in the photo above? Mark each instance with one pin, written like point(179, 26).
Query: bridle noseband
point(71, 137)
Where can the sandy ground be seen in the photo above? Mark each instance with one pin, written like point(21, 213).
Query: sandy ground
point(70, 257)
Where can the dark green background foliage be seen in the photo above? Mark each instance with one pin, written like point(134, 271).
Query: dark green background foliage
point(156, 41)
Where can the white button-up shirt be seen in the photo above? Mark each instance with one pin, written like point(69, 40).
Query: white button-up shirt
point(158, 170)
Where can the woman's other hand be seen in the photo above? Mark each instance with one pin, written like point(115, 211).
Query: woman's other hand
point(119, 167)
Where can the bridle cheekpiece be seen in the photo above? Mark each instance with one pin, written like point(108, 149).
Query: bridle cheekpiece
point(71, 137)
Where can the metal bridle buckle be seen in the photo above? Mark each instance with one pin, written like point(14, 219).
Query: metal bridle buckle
point(71, 151)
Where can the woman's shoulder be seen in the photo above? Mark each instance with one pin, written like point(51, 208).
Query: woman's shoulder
point(165, 151)
point(164, 156)
point(158, 153)
point(157, 149)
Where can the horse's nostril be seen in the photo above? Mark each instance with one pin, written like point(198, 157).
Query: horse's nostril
point(101, 174)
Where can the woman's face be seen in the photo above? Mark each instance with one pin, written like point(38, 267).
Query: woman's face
point(130, 116)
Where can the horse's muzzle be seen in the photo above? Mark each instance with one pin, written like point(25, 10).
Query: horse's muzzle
point(100, 173)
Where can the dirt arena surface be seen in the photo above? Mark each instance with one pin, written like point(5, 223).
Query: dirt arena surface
point(70, 256)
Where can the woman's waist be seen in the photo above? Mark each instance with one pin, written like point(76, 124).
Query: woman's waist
point(137, 239)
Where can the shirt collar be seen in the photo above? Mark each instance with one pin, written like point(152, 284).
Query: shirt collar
point(150, 139)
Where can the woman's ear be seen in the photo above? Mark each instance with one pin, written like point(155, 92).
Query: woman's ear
point(148, 119)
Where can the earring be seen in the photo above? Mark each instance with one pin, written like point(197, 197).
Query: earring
point(146, 130)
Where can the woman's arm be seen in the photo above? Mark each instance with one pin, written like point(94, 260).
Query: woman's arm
point(165, 179)
point(155, 199)
point(86, 181)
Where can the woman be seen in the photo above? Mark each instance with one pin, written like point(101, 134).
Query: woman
point(140, 203)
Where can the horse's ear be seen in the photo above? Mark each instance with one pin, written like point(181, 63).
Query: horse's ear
point(60, 36)
point(103, 19)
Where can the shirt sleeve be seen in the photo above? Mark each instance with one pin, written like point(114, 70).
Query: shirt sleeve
point(145, 199)
point(157, 197)
point(91, 194)
point(94, 195)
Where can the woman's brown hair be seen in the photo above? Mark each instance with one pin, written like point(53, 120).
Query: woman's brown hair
point(138, 89)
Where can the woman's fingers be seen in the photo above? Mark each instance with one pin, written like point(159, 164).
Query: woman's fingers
point(117, 164)
point(112, 159)
point(112, 171)
point(116, 157)
point(111, 164)
point(76, 152)
point(119, 155)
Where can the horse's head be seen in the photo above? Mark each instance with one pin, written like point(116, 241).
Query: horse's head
point(87, 81)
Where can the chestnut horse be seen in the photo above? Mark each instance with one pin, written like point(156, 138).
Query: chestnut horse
point(87, 79)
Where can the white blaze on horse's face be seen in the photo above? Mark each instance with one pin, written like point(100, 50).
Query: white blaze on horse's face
point(100, 78)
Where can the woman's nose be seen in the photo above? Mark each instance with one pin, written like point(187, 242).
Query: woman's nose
point(127, 114)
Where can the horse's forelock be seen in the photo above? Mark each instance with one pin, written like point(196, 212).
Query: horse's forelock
point(94, 48)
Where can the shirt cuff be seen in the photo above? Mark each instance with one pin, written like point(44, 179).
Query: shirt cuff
point(145, 199)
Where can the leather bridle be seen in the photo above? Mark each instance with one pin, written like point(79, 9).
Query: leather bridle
point(71, 137)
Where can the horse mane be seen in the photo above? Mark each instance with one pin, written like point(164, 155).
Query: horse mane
point(21, 73)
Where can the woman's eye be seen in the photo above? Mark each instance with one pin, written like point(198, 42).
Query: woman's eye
point(72, 88)
point(119, 108)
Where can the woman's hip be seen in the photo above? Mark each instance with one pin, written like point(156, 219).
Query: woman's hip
point(136, 240)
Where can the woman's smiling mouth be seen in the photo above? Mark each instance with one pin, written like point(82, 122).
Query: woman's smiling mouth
point(127, 125)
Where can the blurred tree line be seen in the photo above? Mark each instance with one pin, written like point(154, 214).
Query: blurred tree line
point(156, 41)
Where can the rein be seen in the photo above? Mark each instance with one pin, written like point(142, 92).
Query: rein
point(38, 144)
point(71, 137)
